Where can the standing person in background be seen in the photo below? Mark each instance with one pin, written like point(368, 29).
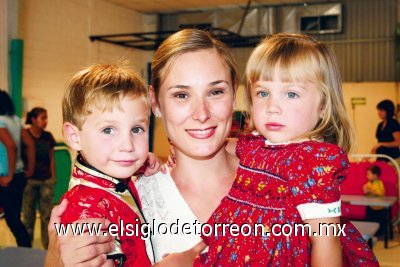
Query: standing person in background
point(387, 132)
point(12, 186)
point(3, 168)
point(40, 187)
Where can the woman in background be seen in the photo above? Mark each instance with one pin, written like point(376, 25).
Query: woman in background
point(40, 187)
point(387, 132)
point(12, 186)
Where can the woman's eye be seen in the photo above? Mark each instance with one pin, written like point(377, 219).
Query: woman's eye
point(181, 95)
point(292, 95)
point(108, 130)
point(262, 94)
point(137, 129)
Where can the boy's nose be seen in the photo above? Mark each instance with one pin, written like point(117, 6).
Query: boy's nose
point(127, 144)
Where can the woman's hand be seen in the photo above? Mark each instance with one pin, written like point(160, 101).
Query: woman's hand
point(182, 259)
point(5, 181)
point(69, 250)
point(375, 148)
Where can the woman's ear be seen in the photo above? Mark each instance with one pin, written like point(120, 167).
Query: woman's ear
point(71, 134)
point(154, 103)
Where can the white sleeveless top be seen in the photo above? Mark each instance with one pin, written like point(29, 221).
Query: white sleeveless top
point(164, 206)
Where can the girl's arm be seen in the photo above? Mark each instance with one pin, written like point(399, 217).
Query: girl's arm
point(52, 164)
point(326, 249)
point(30, 152)
point(11, 148)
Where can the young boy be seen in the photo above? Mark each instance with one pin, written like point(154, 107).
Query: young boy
point(106, 119)
point(374, 187)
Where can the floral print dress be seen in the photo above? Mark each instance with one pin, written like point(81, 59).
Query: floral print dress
point(281, 184)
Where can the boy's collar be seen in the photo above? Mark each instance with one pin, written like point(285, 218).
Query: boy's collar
point(120, 186)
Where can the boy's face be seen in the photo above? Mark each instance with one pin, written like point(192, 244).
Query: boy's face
point(116, 142)
point(371, 176)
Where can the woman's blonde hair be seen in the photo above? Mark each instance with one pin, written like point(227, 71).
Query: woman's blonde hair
point(299, 57)
point(185, 41)
point(100, 86)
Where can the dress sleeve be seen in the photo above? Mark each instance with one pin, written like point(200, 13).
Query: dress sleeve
point(248, 142)
point(315, 181)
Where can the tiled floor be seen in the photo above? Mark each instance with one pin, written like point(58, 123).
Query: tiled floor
point(387, 257)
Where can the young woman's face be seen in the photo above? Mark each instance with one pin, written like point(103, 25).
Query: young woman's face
point(382, 114)
point(196, 102)
point(40, 121)
point(284, 111)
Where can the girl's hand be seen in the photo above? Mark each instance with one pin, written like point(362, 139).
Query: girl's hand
point(78, 250)
point(182, 259)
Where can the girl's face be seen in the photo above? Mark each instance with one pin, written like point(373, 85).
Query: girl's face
point(40, 121)
point(196, 102)
point(283, 111)
point(381, 114)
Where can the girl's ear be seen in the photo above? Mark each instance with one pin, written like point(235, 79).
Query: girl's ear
point(71, 134)
point(154, 103)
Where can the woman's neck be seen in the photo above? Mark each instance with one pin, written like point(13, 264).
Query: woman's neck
point(197, 171)
point(35, 131)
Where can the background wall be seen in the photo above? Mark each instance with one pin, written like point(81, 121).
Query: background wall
point(56, 39)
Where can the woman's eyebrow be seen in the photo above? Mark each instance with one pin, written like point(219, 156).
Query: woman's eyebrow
point(179, 86)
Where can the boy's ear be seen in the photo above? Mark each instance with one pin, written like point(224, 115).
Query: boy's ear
point(71, 134)
point(154, 103)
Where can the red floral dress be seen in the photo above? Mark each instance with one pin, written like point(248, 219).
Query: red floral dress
point(96, 195)
point(281, 184)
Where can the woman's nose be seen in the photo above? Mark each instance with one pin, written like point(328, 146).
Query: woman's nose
point(201, 111)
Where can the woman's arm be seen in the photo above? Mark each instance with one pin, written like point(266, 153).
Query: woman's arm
point(326, 249)
point(11, 148)
point(30, 152)
point(78, 250)
point(182, 259)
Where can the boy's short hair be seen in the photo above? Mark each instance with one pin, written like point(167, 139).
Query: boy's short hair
point(100, 86)
point(375, 170)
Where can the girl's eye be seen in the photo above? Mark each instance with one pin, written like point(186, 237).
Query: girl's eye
point(181, 95)
point(217, 92)
point(137, 129)
point(108, 130)
point(292, 95)
point(262, 94)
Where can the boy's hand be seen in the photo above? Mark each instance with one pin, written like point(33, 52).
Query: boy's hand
point(182, 259)
point(79, 250)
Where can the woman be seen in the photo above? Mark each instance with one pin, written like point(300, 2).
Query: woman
point(387, 132)
point(12, 186)
point(40, 187)
point(194, 79)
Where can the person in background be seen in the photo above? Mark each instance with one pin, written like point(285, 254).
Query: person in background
point(40, 186)
point(3, 168)
point(12, 186)
point(387, 132)
point(375, 188)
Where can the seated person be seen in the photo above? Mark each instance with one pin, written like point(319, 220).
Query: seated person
point(375, 188)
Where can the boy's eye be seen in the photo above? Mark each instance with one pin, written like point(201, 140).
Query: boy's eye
point(262, 94)
point(108, 130)
point(137, 129)
point(292, 95)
